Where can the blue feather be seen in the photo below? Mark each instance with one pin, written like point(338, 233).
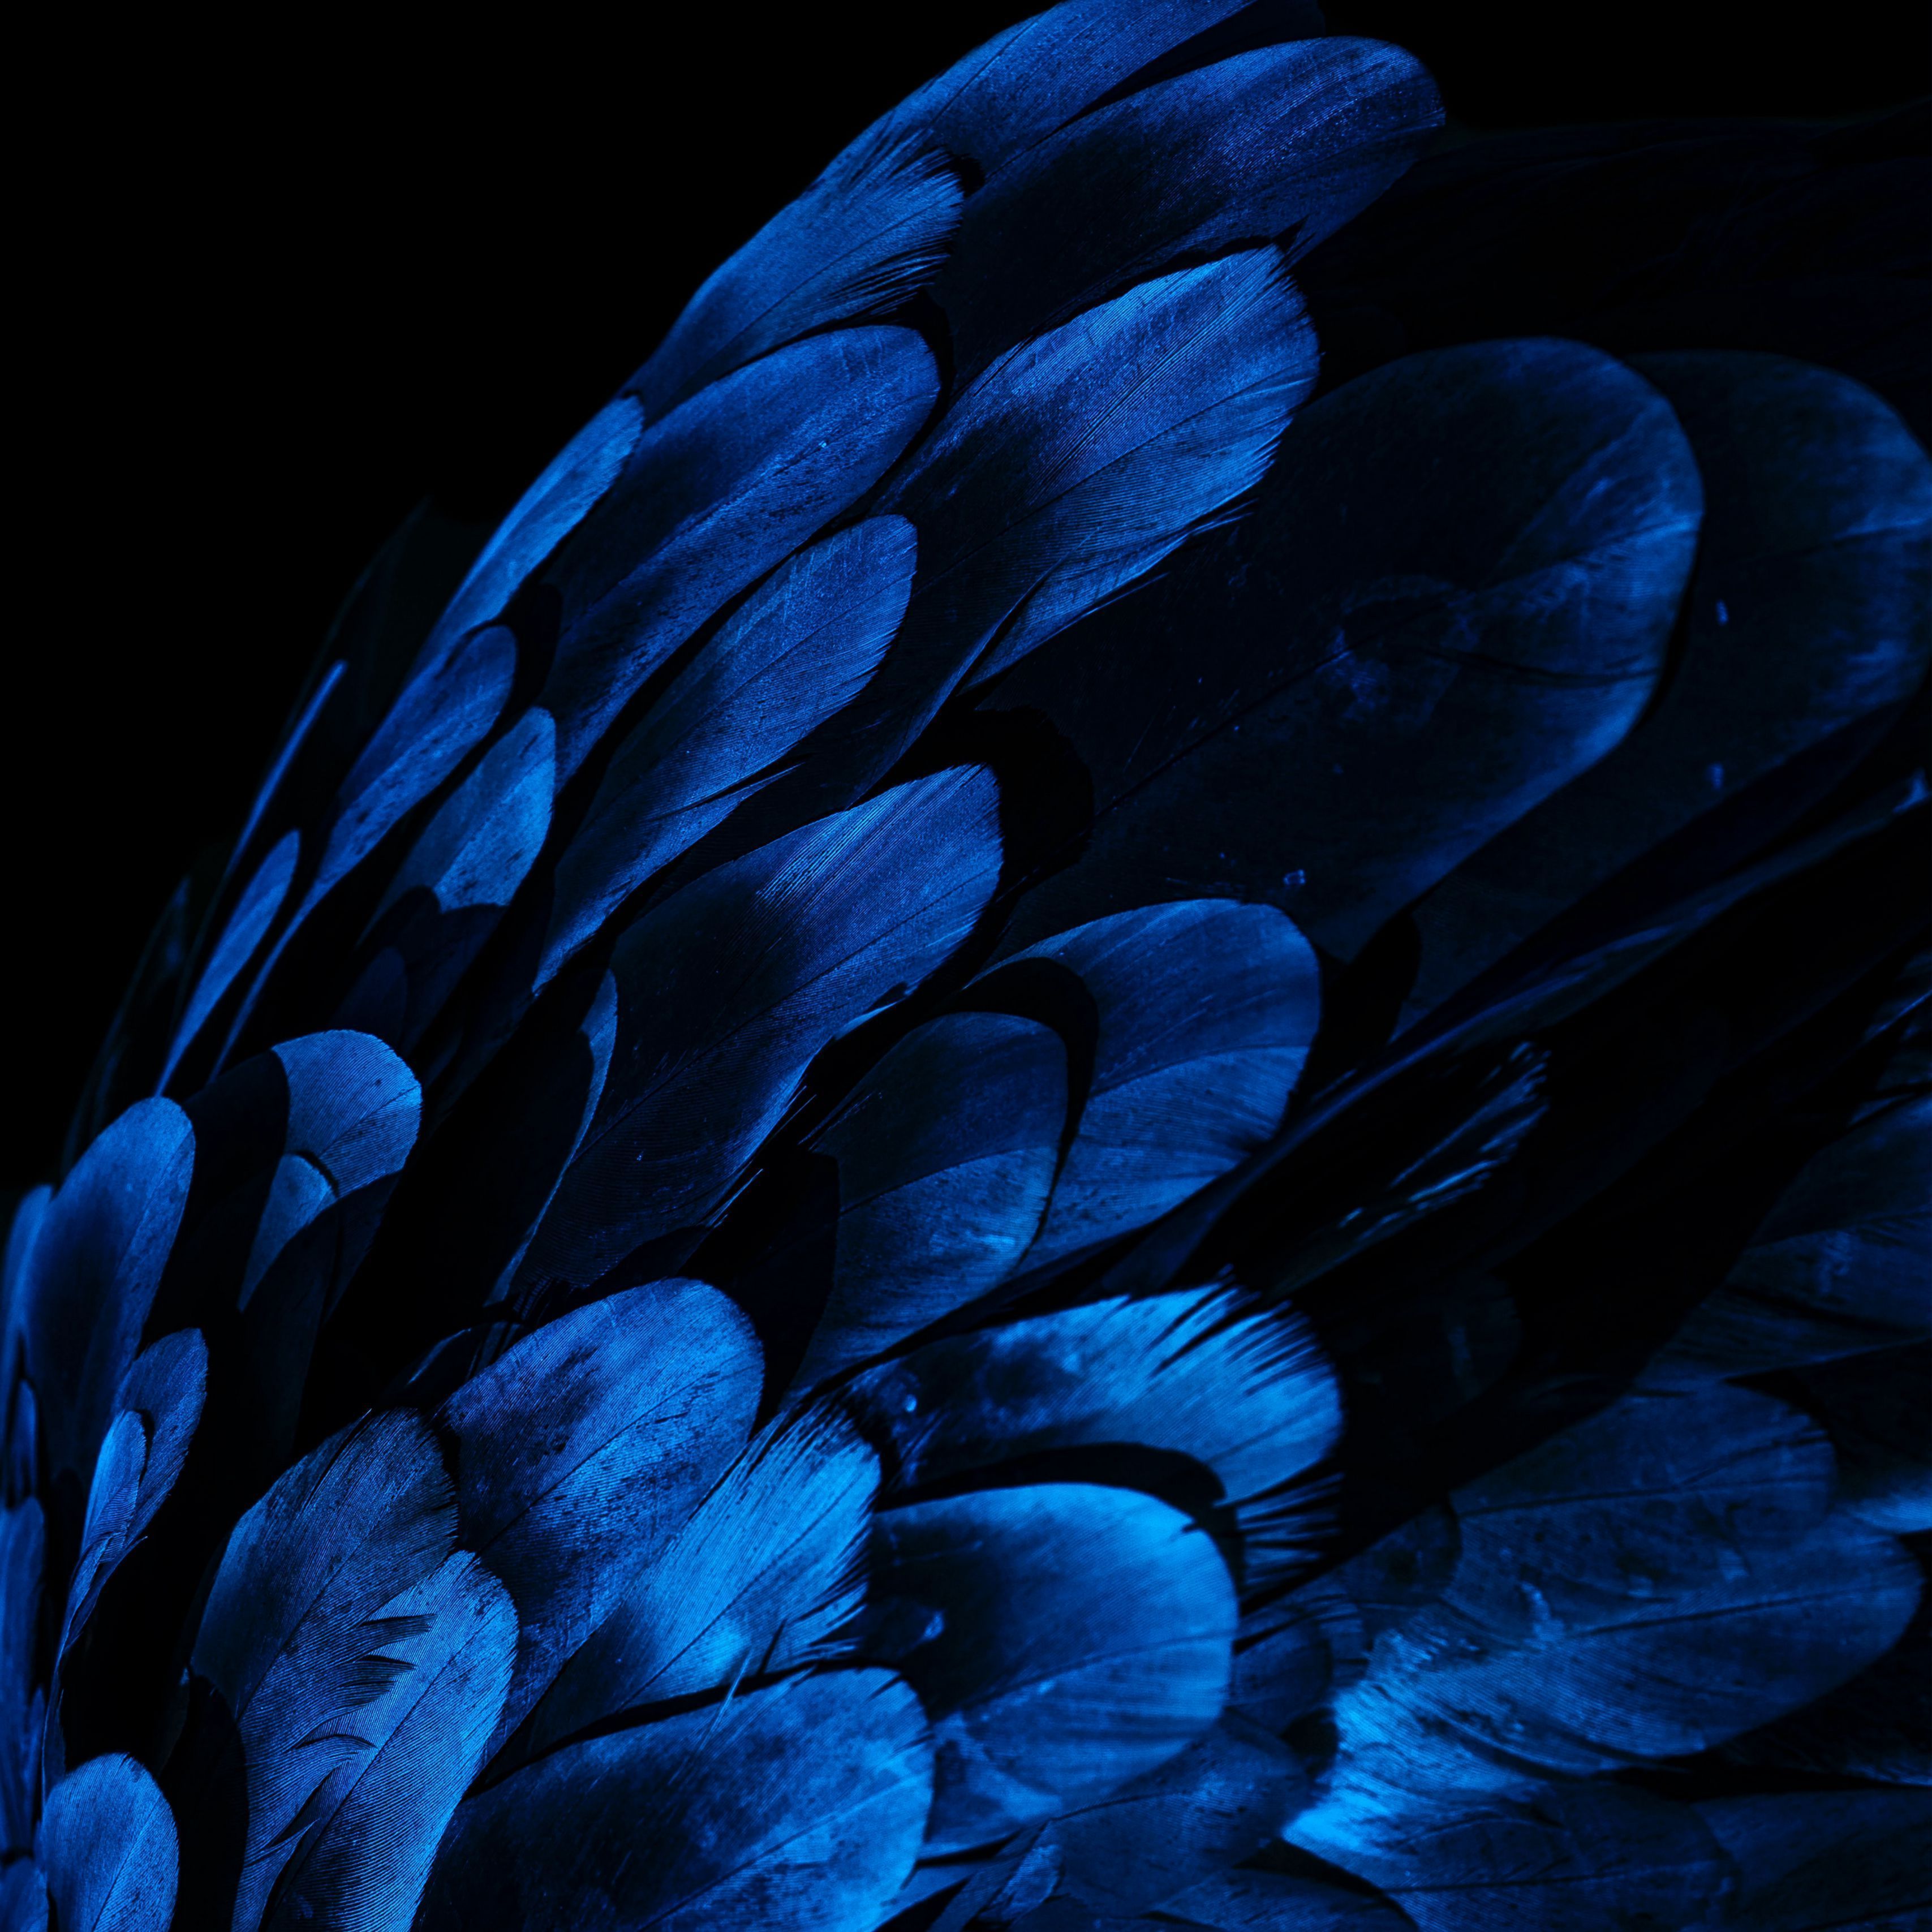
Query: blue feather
point(583, 1451)
point(158, 1408)
point(22, 1570)
point(947, 1154)
point(1811, 1860)
point(727, 990)
point(859, 241)
point(797, 1808)
point(1212, 1805)
point(1284, 141)
point(1265, 1901)
point(1250, 1396)
point(1647, 1584)
point(547, 511)
point(1205, 1012)
point(1570, 1858)
point(255, 910)
point(1025, 83)
point(1392, 687)
point(1080, 460)
point(1063, 1639)
point(1839, 1265)
point(799, 647)
point(759, 1580)
point(353, 1644)
point(1806, 618)
point(108, 1848)
point(714, 495)
point(90, 1276)
point(453, 884)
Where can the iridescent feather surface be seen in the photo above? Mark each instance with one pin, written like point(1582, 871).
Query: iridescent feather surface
point(1104, 1102)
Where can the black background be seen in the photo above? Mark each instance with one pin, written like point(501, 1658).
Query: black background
point(275, 291)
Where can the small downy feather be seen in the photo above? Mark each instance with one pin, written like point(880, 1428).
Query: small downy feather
point(946, 1154)
point(1283, 141)
point(714, 495)
point(797, 1808)
point(800, 646)
point(1064, 1640)
point(584, 1450)
point(758, 1582)
point(1249, 1396)
point(862, 239)
point(350, 1641)
point(726, 991)
point(108, 1849)
point(1390, 689)
point(90, 1276)
point(1205, 1011)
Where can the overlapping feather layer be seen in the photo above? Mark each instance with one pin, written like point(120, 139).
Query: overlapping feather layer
point(1055, 1122)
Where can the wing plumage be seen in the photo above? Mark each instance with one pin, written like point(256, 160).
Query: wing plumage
point(1099, 1099)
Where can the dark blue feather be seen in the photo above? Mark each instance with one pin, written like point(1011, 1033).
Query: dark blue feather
point(859, 241)
point(158, 1408)
point(23, 1567)
point(799, 648)
point(1839, 1265)
point(1652, 1582)
point(1806, 619)
point(1285, 141)
point(797, 1808)
point(714, 495)
point(1024, 83)
point(947, 1154)
point(1211, 1806)
point(1266, 1901)
point(261, 899)
point(584, 1450)
point(726, 991)
point(1394, 685)
point(547, 511)
point(89, 1278)
point(1810, 1861)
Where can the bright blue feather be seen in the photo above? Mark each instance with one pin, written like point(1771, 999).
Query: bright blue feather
point(108, 1847)
point(585, 1449)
